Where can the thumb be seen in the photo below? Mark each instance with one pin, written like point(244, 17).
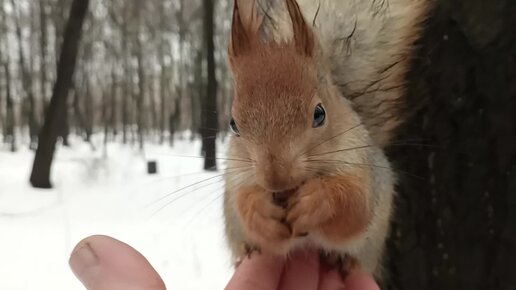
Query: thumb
point(103, 263)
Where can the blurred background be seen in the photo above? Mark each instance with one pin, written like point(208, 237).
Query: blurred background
point(125, 147)
point(113, 120)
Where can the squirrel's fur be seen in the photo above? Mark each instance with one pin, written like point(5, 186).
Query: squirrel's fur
point(287, 57)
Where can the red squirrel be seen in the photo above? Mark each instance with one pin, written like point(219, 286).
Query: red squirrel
point(318, 87)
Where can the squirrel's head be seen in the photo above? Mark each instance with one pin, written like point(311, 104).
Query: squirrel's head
point(287, 114)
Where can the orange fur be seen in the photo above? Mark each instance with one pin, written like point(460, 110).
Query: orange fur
point(334, 206)
point(262, 219)
point(276, 82)
point(303, 36)
point(337, 176)
point(245, 27)
point(272, 83)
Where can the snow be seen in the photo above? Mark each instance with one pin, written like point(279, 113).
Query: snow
point(171, 220)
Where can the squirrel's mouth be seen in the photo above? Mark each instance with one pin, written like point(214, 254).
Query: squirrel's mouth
point(281, 197)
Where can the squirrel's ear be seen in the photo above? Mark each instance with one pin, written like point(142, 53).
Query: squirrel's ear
point(303, 35)
point(244, 28)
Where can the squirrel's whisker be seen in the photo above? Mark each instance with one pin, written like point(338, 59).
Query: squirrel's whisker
point(238, 159)
point(332, 137)
point(342, 162)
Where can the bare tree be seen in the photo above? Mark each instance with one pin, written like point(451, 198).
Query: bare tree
point(10, 118)
point(163, 73)
point(142, 78)
point(40, 176)
point(43, 51)
point(209, 115)
point(155, 73)
point(26, 78)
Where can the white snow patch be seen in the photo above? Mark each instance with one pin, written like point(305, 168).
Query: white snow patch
point(179, 231)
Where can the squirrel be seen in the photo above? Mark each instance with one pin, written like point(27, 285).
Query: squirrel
point(319, 91)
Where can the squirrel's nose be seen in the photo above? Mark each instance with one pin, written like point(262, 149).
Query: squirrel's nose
point(276, 181)
point(274, 173)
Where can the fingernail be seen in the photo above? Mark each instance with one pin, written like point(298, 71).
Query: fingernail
point(84, 263)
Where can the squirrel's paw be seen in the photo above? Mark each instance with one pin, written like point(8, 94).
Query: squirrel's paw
point(334, 207)
point(246, 251)
point(308, 209)
point(263, 220)
point(344, 263)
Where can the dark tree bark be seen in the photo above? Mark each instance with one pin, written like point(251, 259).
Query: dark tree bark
point(125, 111)
point(164, 103)
point(140, 97)
point(163, 76)
point(455, 226)
point(113, 102)
point(153, 114)
point(3, 119)
point(174, 120)
point(197, 93)
point(3, 127)
point(209, 104)
point(88, 110)
point(105, 119)
point(9, 103)
point(40, 176)
point(126, 92)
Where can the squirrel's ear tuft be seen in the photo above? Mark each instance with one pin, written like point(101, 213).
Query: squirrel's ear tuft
point(303, 35)
point(244, 28)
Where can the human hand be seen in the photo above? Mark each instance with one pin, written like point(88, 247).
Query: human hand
point(103, 263)
point(302, 271)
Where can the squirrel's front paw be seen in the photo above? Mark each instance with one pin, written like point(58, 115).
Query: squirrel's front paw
point(263, 220)
point(344, 263)
point(309, 208)
point(335, 207)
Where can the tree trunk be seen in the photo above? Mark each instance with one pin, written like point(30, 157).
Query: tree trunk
point(152, 112)
point(141, 96)
point(174, 120)
point(163, 76)
point(3, 125)
point(3, 104)
point(43, 50)
point(140, 100)
point(164, 103)
point(125, 110)
point(88, 110)
point(186, 119)
point(209, 113)
point(26, 78)
point(126, 96)
point(40, 176)
point(113, 104)
point(197, 93)
point(10, 118)
point(455, 224)
point(105, 120)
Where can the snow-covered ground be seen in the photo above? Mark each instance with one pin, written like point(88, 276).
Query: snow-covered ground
point(179, 231)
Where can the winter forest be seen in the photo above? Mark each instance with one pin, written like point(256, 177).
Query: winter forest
point(114, 120)
point(150, 83)
point(144, 70)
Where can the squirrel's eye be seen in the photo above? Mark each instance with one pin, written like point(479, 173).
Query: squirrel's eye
point(319, 116)
point(233, 127)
